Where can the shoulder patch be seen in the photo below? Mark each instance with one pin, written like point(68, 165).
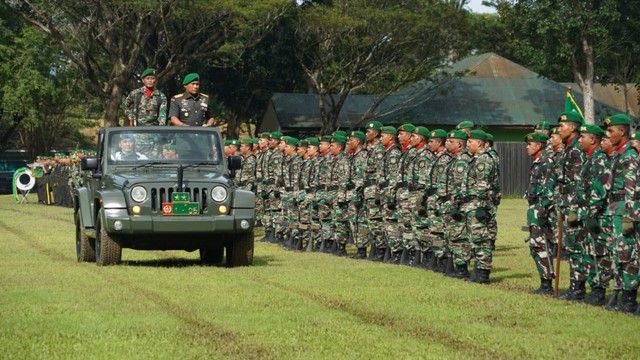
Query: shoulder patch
point(459, 168)
point(177, 96)
point(204, 95)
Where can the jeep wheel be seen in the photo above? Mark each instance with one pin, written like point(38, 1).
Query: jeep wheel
point(240, 250)
point(108, 249)
point(211, 255)
point(85, 247)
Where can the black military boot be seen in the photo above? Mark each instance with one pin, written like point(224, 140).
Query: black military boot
point(395, 257)
point(425, 258)
point(441, 265)
point(267, 234)
point(433, 262)
point(414, 258)
point(545, 288)
point(628, 302)
point(380, 254)
point(481, 276)
point(341, 250)
point(361, 253)
point(576, 291)
point(596, 297)
point(328, 246)
point(404, 257)
point(461, 272)
point(612, 304)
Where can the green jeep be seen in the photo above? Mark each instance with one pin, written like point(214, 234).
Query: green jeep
point(162, 188)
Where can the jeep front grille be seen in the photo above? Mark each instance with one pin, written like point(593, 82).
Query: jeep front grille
point(161, 195)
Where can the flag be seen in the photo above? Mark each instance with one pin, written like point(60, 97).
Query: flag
point(570, 105)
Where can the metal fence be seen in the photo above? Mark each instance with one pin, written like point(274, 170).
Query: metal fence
point(515, 165)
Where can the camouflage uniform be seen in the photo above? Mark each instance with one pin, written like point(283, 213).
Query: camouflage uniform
point(589, 204)
point(247, 178)
point(478, 202)
point(388, 175)
point(142, 110)
point(540, 196)
point(336, 198)
point(355, 196)
point(496, 196)
point(436, 177)
point(375, 161)
point(305, 197)
point(405, 205)
point(324, 201)
point(273, 184)
point(291, 173)
point(418, 195)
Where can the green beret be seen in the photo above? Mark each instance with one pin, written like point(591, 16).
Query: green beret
point(457, 134)
point(290, 140)
point(570, 116)
point(421, 130)
point(438, 134)
point(465, 125)
point(592, 129)
point(247, 141)
point(543, 125)
point(389, 130)
point(227, 142)
point(190, 78)
point(275, 135)
point(619, 119)
point(326, 138)
point(313, 142)
point(169, 146)
point(338, 139)
point(340, 133)
point(375, 125)
point(265, 135)
point(635, 135)
point(235, 142)
point(489, 137)
point(407, 128)
point(303, 142)
point(255, 140)
point(148, 72)
point(478, 135)
point(536, 137)
point(359, 135)
point(555, 130)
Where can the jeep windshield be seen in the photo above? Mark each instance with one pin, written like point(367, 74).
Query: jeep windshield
point(146, 146)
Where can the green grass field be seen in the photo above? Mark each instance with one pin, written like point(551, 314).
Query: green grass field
point(160, 305)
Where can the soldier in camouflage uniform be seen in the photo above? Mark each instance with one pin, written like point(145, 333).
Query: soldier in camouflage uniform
point(355, 192)
point(261, 166)
point(336, 197)
point(435, 178)
point(375, 160)
point(416, 197)
point(496, 192)
point(540, 197)
point(452, 192)
point(405, 206)
point(323, 201)
point(555, 149)
point(305, 192)
point(291, 165)
point(588, 209)
point(568, 179)
point(622, 208)
point(272, 167)
point(247, 177)
point(388, 177)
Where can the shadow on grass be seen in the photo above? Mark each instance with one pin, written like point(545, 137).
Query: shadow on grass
point(180, 263)
point(499, 278)
point(507, 248)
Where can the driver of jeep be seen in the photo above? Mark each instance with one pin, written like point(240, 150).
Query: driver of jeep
point(127, 147)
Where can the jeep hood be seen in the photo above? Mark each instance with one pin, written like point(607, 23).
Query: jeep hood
point(122, 179)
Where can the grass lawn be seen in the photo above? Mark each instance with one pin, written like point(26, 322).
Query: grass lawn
point(287, 306)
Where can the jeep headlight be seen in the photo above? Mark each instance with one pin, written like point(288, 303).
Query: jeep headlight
point(219, 194)
point(138, 194)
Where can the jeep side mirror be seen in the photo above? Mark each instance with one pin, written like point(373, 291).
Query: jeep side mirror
point(234, 162)
point(89, 163)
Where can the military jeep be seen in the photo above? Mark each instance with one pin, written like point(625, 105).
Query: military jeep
point(162, 188)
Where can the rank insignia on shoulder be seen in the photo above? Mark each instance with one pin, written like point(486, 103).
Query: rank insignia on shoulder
point(178, 96)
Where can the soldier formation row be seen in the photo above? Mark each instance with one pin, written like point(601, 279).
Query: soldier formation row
point(583, 193)
point(406, 195)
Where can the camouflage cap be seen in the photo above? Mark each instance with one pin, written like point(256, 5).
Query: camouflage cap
point(478, 135)
point(438, 134)
point(536, 137)
point(592, 129)
point(389, 130)
point(570, 116)
point(358, 134)
point(457, 134)
point(618, 119)
point(407, 128)
point(275, 135)
point(465, 125)
point(189, 78)
point(313, 141)
point(148, 72)
point(421, 130)
point(634, 135)
point(375, 125)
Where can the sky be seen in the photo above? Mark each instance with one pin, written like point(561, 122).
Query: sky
point(476, 6)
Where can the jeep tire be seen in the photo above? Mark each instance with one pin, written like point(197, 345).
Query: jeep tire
point(108, 249)
point(85, 247)
point(240, 250)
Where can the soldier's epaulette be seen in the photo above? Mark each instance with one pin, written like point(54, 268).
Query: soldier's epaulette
point(177, 96)
point(204, 95)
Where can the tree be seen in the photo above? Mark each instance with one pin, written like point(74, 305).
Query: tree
point(553, 36)
point(362, 46)
point(110, 40)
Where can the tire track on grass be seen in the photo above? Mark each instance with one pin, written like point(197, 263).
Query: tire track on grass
point(65, 220)
point(204, 334)
point(400, 325)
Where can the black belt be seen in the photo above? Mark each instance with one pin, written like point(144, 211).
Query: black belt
point(308, 190)
point(402, 184)
point(350, 186)
point(432, 191)
point(417, 187)
point(566, 189)
point(617, 197)
point(333, 188)
point(288, 188)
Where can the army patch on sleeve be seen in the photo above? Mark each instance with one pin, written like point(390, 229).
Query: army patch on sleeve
point(459, 168)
